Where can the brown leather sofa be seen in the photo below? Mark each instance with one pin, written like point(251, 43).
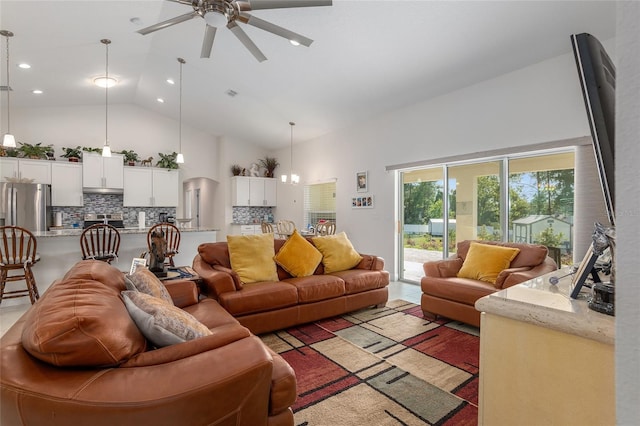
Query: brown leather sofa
point(274, 305)
point(227, 378)
point(444, 294)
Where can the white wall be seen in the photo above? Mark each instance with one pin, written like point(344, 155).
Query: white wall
point(537, 104)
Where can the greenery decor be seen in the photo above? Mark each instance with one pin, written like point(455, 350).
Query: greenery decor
point(236, 170)
point(130, 157)
point(37, 151)
point(73, 154)
point(167, 161)
point(92, 149)
point(270, 164)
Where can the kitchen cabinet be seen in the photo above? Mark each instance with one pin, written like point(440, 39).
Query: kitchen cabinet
point(39, 171)
point(66, 184)
point(100, 172)
point(246, 229)
point(150, 187)
point(253, 191)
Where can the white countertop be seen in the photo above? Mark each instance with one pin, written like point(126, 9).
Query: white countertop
point(540, 303)
point(134, 230)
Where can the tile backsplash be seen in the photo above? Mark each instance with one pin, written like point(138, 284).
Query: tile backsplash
point(251, 214)
point(109, 203)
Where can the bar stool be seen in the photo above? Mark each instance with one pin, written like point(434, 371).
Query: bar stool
point(18, 253)
point(171, 233)
point(100, 242)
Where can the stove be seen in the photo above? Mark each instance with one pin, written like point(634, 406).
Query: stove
point(113, 219)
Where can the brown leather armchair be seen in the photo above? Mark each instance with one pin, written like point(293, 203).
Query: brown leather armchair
point(444, 294)
point(228, 377)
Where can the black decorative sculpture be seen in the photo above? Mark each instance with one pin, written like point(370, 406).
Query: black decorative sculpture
point(157, 254)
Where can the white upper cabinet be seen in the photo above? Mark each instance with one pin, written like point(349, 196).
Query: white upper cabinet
point(66, 184)
point(150, 187)
point(36, 171)
point(253, 191)
point(100, 172)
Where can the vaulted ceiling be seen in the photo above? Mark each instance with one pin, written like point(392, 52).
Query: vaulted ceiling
point(368, 57)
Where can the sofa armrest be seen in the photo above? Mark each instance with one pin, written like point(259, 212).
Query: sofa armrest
point(182, 292)
point(222, 335)
point(446, 268)
point(370, 262)
point(214, 281)
point(518, 276)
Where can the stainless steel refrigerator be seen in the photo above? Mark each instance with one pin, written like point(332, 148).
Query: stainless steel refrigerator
point(27, 205)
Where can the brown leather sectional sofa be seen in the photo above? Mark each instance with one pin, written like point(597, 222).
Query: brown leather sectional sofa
point(445, 294)
point(77, 358)
point(274, 305)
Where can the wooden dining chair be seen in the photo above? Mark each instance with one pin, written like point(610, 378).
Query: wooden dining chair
point(18, 254)
point(267, 228)
point(172, 234)
point(100, 242)
point(285, 228)
point(325, 228)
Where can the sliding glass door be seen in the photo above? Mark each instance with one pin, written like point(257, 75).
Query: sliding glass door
point(512, 198)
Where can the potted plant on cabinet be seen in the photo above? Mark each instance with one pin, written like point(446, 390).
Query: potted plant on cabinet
point(92, 149)
point(130, 157)
point(72, 154)
point(236, 170)
point(37, 151)
point(270, 164)
point(168, 161)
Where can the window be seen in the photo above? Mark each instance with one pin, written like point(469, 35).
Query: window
point(319, 203)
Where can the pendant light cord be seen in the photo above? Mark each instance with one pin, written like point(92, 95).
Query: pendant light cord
point(106, 42)
point(291, 124)
point(182, 61)
point(7, 35)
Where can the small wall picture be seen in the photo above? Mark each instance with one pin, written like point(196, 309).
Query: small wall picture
point(362, 183)
point(135, 263)
point(362, 202)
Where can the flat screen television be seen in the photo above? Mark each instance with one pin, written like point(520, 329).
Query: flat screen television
point(597, 75)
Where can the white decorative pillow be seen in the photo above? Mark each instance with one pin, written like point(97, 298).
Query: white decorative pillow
point(162, 324)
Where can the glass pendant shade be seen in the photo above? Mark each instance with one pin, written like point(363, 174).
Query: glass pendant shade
point(9, 141)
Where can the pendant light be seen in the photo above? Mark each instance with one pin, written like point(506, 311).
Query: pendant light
point(293, 178)
point(106, 149)
point(180, 157)
point(9, 140)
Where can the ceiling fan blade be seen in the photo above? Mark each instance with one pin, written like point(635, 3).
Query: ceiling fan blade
point(168, 23)
point(275, 29)
point(280, 4)
point(207, 42)
point(244, 39)
point(187, 2)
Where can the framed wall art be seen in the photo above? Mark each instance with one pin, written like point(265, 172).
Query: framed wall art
point(362, 182)
point(364, 202)
point(585, 268)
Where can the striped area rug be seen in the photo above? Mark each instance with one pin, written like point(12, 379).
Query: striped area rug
point(387, 366)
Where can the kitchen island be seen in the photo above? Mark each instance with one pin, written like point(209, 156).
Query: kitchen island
point(60, 249)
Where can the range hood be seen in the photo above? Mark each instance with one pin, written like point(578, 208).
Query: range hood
point(103, 190)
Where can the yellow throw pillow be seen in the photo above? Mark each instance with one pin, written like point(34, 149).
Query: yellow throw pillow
point(484, 261)
point(337, 252)
point(251, 257)
point(298, 256)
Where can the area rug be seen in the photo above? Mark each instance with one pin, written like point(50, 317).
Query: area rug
point(386, 366)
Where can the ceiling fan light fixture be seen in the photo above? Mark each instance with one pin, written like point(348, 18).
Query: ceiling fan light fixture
point(215, 19)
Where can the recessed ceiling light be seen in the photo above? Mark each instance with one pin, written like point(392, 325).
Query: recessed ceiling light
point(37, 92)
point(24, 66)
point(294, 42)
point(105, 82)
point(135, 21)
point(170, 81)
point(160, 100)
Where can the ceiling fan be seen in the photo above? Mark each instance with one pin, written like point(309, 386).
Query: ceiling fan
point(229, 12)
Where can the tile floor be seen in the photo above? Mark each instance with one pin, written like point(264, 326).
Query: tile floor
point(397, 290)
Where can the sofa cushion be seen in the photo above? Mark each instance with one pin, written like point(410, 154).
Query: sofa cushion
point(259, 297)
point(252, 257)
point(461, 290)
point(484, 262)
point(81, 322)
point(160, 322)
point(145, 281)
point(298, 256)
point(317, 287)
point(359, 280)
point(337, 251)
point(530, 254)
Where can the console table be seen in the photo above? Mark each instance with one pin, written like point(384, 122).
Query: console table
point(545, 358)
